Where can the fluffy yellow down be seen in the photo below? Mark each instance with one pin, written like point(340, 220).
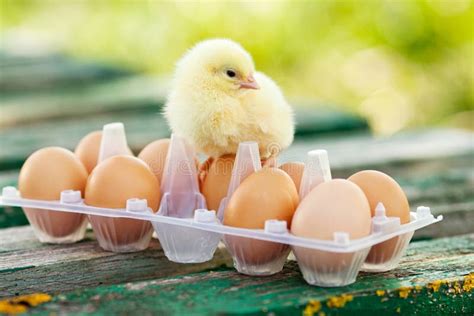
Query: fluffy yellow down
point(214, 113)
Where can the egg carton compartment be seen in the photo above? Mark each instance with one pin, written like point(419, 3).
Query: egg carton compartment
point(329, 269)
point(56, 227)
point(250, 256)
point(185, 244)
point(258, 257)
point(121, 234)
point(181, 197)
point(385, 256)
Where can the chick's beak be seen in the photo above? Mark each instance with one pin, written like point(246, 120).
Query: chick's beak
point(249, 83)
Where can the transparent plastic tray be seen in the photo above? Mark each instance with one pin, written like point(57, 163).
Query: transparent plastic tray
point(190, 233)
point(195, 239)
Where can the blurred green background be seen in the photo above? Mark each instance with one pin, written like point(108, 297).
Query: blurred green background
point(400, 64)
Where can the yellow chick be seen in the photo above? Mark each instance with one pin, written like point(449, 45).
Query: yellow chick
point(218, 100)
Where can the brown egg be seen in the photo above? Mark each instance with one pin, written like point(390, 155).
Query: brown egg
point(266, 194)
point(215, 175)
point(88, 149)
point(334, 206)
point(215, 180)
point(379, 187)
point(154, 154)
point(43, 176)
point(295, 171)
point(111, 184)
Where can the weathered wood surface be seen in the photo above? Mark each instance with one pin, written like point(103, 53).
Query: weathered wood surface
point(435, 277)
point(20, 74)
point(27, 266)
point(136, 93)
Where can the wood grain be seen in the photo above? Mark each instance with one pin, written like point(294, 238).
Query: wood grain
point(435, 277)
point(27, 266)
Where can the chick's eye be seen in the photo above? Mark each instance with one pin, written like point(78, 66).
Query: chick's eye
point(230, 73)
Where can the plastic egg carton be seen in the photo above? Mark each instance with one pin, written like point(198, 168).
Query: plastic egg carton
point(54, 227)
point(181, 197)
point(189, 233)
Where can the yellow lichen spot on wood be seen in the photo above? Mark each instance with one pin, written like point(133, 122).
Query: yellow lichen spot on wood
point(36, 299)
point(380, 292)
point(7, 308)
point(312, 307)
point(403, 292)
point(468, 282)
point(339, 301)
point(435, 285)
point(20, 304)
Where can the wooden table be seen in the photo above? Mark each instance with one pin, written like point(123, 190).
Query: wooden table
point(53, 100)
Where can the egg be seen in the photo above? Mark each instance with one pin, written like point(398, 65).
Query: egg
point(295, 171)
point(43, 176)
point(334, 206)
point(154, 155)
point(87, 150)
point(379, 187)
point(266, 194)
point(110, 185)
point(215, 179)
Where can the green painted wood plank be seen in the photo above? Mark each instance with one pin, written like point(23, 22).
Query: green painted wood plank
point(19, 142)
point(129, 93)
point(26, 74)
point(435, 277)
point(318, 120)
point(27, 266)
point(358, 150)
point(9, 59)
point(11, 216)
